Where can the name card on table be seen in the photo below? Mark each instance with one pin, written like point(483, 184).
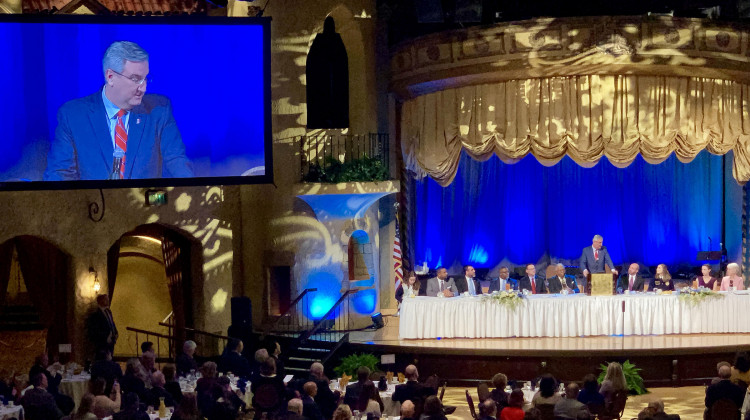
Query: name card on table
point(601, 284)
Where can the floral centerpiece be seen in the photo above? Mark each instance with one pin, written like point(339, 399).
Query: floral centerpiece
point(509, 299)
point(695, 296)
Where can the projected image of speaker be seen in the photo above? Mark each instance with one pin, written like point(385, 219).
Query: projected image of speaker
point(377, 321)
point(468, 10)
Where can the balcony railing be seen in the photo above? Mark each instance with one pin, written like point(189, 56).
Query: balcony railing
point(344, 157)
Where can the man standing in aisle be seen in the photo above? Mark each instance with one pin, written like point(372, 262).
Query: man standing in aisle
point(594, 258)
point(441, 284)
point(468, 282)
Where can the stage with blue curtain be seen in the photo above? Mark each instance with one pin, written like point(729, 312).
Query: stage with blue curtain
point(496, 213)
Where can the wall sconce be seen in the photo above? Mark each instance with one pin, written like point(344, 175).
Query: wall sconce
point(94, 279)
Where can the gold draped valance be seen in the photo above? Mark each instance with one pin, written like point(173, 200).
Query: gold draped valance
point(584, 117)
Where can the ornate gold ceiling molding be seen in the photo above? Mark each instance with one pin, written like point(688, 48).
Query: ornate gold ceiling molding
point(631, 45)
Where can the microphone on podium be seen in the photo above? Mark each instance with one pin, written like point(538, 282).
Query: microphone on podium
point(116, 164)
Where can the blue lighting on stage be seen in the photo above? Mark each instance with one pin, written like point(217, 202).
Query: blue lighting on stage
point(364, 301)
point(328, 293)
point(528, 213)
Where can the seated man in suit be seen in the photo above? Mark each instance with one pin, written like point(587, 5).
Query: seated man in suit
point(352, 391)
point(631, 281)
point(499, 284)
point(560, 281)
point(594, 257)
point(118, 132)
point(468, 282)
point(441, 284)
point(531, 281)
point(724, 389)
point(412, 390)
point(38, 403)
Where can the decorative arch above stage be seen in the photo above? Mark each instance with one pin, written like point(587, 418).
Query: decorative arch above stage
point(581, 87)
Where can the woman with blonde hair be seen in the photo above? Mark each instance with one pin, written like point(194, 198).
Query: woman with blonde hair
point(343, 412)
point(733, 279)
point(614, 382)
point(662, 280)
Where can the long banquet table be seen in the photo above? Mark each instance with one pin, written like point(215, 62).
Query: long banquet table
point(572, 316)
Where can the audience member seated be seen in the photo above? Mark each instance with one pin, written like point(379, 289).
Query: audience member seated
point(659, 414)
point(221, 406)
point(147, 347)
point(187, 409)
point(353, 391)
point(733, 278)
point(274, 350)
point(499, 381)
point(412, 390)
point(343, 412)
point(724, 389)
point(590, 395)
point(310, 409)
point(148, 362)
point(741, 370)
point(130, 409)
point(546, 393)
point(204, 385)
point(104, 367)
point(514, 410)
point(568, 407)
point(433, 409)
point(186, 361)
point(293, 410)
point(705, 279)
point(171, 384)
point(105, 405)
point(134, 378)
point(662, 280)
point(85, 406)
point(53, 374)
point(268, 390)
point(487, 410)
point(533, 414)
point(230, 395)
point(233, 361)
point(326, 399)
point(407, 411)
point(38, 403)
point(369, 400)
point(614, 382)
point(157, 392)
point(718, 368)
point(260, 356)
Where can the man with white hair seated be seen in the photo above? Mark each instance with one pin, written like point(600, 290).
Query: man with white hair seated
point(326, 399)
point(186, 360)
point(158, 391)
point(293, 410)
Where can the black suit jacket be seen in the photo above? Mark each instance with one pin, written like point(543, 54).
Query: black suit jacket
point(38, 404)
point(623, 282)
point(411, 390)
point(552, 285)
point(310, 409)
point(463, 286)
point(525, 283)
point(235, 363)
point(99, 330)
point(724, 389)
point(352, 394)
point(52, 381)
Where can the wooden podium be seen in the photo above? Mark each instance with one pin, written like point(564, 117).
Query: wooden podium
point(602, 284)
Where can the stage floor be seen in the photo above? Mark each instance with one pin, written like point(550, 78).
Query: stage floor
point(387, 337)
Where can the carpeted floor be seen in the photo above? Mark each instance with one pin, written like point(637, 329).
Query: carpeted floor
point(685, 401)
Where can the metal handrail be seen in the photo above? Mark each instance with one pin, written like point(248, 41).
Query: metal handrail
point(321, 323)
point(271, 326)
point(193, 330)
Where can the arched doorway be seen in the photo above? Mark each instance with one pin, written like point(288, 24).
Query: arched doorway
point(35, 291)
point(153, 271)
point(362, 272)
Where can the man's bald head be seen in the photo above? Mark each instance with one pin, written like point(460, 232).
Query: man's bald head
point(411, 373)
point(571, 391)
point(295, 405)
point(407, 409)
point(725, 372)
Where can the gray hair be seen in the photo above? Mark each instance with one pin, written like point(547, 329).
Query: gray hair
point(261, 355)
point(558, 265)
point(189, 344)
point(598, 238)
point(121, 51)
point(295, 405)
point(735, 267)
point(317, 367)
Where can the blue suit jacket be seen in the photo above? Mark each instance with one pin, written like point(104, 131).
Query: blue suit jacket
point(83, 150)
point(588, 262)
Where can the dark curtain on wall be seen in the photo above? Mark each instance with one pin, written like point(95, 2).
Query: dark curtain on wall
point(327, 76)
point(495, 213)
point(113, 258)
point(6, 255)
point(176, 266)
point(45, 269)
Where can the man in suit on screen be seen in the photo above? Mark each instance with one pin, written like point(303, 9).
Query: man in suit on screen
point(468, 282)
point(441, 284)
point(531, 281)
point(118, 132)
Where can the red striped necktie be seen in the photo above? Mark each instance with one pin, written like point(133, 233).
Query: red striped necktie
point(121, 138)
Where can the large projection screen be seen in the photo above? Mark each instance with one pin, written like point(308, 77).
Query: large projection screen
point(197, 113)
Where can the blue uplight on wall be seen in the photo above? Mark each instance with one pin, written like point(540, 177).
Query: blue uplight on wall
point(328, 293)
point(364, 302)
point(478, 255)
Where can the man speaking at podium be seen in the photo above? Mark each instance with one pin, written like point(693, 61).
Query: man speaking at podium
point(594, 257)
point(118, 132)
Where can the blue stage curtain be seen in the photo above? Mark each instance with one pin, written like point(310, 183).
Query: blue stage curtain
point(522, 213)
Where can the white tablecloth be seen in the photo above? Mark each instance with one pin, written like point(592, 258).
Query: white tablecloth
point(572, 316)
point(75, 386)
point(7, 412)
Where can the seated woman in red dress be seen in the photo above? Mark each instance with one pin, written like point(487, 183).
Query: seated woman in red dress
point(514, 410)
point(706, 279)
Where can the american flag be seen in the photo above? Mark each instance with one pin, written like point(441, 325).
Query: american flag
point(397, 267)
